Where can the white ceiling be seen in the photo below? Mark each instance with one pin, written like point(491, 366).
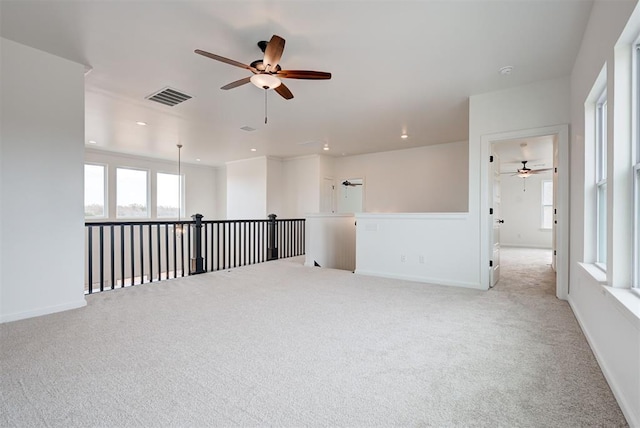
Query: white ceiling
point(398, 66)
point(537, 151)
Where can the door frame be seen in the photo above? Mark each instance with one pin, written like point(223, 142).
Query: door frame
point(561, 133)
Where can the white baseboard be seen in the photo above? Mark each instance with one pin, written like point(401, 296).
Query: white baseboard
point(628, 410)
point(16, 316)
point(434, 281)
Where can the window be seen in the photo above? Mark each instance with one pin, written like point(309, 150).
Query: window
point(547, 204)
point(169, 195)
point(636, 174)
point(94, 191)
point(601, 181)
point(131, 193)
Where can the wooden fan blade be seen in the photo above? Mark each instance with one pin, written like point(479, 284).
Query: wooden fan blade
point(225, 60)
point(284, 91)
point(273, 52)
point(237, 83)
point(304, 74)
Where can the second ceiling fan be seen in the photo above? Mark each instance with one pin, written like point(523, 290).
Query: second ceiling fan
point(267, 71)
point(525, 171)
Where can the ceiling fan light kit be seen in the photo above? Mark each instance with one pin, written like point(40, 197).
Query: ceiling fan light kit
point(265, 81)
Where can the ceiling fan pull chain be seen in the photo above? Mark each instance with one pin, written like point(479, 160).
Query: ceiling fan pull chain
point(265, 106)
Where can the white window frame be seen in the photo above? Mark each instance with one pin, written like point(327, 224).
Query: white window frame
point(148, 199)
point(181, 197)
point(105, 191)
point(601, 145)
point(635, 281)
point(543, 205)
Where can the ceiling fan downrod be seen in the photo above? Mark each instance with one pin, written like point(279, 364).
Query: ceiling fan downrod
point(265, 104)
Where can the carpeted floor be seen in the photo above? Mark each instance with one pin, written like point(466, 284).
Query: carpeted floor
point(287, 345)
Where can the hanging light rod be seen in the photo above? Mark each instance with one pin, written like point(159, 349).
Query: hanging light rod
point(179, 229)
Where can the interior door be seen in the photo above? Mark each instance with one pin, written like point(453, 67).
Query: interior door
point(555, 204)
point(496, 220)
point(326, 198)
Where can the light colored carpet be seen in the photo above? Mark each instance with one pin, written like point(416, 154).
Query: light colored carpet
point(280, 344)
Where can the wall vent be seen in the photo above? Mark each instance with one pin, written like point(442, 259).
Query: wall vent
point(169, 97)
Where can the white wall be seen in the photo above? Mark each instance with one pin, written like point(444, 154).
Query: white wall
point(41, 183)
point(425, 247)
point(330, 241)
point(613, 331)
point(221, 193)
point(540, 105)
point(275, 187)
point(199, 181)
point(247, 189)
point(421, 179)
point(522, 212)
point(301, 186)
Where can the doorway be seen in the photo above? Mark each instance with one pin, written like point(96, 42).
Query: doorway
point(523, 202)
point(560, 207)
point(327, 199)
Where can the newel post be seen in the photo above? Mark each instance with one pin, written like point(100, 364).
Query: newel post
point(197, 262)
point(272, 246)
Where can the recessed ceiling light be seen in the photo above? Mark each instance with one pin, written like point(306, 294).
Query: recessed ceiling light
point(254, 150)
point(325, 148)
point(198, 160)
point(404, 136)
point(506, 70)
point(92, 142)
point(142, 123)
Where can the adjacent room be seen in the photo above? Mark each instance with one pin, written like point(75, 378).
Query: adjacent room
point(320, 213)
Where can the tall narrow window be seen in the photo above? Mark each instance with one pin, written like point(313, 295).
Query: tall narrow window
point(601, 181)
point(131, 193)
point(168, 195)
point(94, 191)
point(636, 175)
point(547, 204)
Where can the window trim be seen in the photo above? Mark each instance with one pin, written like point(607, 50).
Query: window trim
point(105, 190)
point(601, 147)
point(635, 170)
point(635, 281)
point(148, 193)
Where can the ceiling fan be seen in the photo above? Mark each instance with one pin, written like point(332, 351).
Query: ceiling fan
point(348, 183)
point(525, 171)
point(267, 71)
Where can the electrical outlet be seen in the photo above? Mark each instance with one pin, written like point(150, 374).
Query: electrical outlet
point(421, 259)
point(403, 258)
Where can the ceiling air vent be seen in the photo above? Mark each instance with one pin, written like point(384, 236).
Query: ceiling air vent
point(169, 97)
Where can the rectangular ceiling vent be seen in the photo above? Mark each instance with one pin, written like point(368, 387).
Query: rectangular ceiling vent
point(169, 97)
point(248, 128)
